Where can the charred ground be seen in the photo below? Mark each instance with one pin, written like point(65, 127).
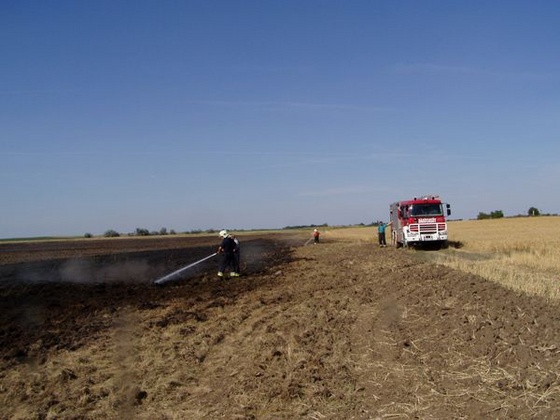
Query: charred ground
point(337, 330)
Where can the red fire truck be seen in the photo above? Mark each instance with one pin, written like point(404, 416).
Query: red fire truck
point(419, 221)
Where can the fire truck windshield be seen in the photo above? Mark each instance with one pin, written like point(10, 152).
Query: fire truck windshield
point(425, 210)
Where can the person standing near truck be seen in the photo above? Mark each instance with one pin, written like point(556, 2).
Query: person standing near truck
point(381, 227)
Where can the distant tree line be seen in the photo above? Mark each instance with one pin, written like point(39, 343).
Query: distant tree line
point(497, 214)
point(307, 226)
point(145, 232)
point(111, 233)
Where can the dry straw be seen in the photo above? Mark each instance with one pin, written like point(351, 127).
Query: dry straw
point(520, 253)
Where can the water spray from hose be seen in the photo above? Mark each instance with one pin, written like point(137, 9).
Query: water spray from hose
point(177, 274)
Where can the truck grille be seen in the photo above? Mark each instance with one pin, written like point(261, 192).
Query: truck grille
point(428, 228)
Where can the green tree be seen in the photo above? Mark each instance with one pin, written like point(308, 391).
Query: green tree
point(111, 234)
point(533, 211)
point(497, 214)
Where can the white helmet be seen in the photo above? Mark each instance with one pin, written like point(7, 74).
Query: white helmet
point(224, 233)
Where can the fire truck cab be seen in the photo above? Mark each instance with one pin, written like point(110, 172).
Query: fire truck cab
point(419, 221)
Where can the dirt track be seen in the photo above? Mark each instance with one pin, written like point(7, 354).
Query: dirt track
point(335, 330)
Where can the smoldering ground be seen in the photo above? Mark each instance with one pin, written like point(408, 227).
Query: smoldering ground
point(133, 267)
point(36, 294)
point(61, 302)
point(137, 268)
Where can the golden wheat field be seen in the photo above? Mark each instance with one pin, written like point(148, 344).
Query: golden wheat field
point(521, 253)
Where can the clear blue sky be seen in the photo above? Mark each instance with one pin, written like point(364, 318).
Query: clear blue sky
point(263, 114)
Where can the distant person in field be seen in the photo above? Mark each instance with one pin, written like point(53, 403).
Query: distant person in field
point(381, 233)
point(226, 250)
point(316, 235)
point(236, 256)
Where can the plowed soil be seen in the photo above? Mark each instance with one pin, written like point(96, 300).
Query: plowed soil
point(337, 330)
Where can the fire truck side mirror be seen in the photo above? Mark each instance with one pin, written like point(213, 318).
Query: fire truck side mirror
point(448, 209)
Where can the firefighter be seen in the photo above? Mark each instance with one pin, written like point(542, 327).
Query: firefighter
point(226, 249)
point(316, 235)
point(381, 233)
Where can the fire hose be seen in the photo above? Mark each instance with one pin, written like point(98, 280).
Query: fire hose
point(176, 274)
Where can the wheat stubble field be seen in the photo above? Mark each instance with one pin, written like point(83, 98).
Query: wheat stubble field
point(342, 329)
point(520, 253)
